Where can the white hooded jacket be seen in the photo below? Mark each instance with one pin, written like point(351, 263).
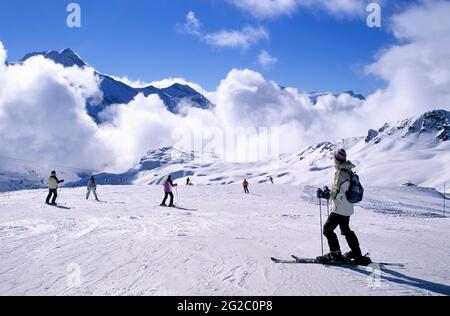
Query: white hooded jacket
point(341, 185)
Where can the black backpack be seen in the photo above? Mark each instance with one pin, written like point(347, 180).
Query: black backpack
point(355, 192)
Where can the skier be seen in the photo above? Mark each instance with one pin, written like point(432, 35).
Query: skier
point(188, 181)
point(342, 210)
point(271, 179)
point(245, 185)
point(168, 185)
point(53, 183)
point(92, 186)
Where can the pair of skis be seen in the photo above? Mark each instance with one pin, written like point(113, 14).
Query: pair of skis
point(298, 260)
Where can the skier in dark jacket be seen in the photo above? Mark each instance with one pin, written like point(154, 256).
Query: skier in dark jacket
point(245, 184)
point(340, 216)
point(168, 185)
point(53, 183)
point(92, 186)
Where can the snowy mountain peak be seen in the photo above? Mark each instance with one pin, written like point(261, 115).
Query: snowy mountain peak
point(118, 92)
point(355, 95)
point(165, 155)
point(435, 122)
point(65, 57)
point(314, 96)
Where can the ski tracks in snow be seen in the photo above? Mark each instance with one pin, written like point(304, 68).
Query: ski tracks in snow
point(128, 246)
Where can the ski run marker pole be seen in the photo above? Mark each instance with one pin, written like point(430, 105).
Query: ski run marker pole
point(445, 197)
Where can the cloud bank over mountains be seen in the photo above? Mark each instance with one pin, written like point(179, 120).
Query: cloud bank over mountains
point(43, 105)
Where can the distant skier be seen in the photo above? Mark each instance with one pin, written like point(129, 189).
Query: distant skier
point(188, 181)
point(342, 210)
point(245, 185)
point(53, 183)
point(92, 186)
point(271, 179)
point(168, 185)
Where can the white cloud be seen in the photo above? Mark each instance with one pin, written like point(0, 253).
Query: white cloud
point(193, 25)
point(338, 7)
point(43, 115)
point(237, 38)
point(418, 70)
point(245, 98)
point(243, 38)
point(276, 8)
point(266, 8)
point(265, 59)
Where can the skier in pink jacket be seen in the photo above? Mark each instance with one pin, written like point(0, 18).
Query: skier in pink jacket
point(168, 185)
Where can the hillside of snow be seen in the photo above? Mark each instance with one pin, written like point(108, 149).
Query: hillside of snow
point(218, 242)
point(414, 151)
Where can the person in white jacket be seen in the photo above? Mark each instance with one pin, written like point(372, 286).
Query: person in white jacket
point(342, 210)
point(53, 183)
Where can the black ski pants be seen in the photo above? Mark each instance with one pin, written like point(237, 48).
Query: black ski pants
point(335, 220)
point(246, 190)
point(54, 193)
point(167, 194)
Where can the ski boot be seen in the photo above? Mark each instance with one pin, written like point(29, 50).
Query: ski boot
point(348, 256)
point(362, 261)
point(332, 257)
point(358, 260)
point(163, 205)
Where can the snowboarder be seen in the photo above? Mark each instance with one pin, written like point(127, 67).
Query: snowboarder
point(92, 186)
point(245, 185)
point(340, 215)
point(271, 179)
point(53, 183)
point(168, 185)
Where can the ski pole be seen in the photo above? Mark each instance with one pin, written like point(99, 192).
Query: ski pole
point(321, 226)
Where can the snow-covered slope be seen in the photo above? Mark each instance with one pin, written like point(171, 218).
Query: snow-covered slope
point(217, 243)
point(416, 150)
point(118, 92)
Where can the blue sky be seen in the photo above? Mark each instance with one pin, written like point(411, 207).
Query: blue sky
point(316, 50)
